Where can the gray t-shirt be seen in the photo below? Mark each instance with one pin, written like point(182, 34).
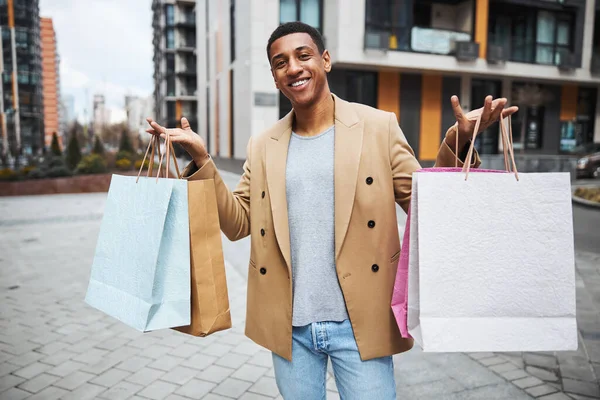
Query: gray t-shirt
point(317, 295)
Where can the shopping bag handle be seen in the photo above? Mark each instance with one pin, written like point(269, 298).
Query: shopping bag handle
point(507, 144)
point(154, 143)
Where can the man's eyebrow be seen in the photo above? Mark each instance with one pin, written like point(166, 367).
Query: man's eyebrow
point(280, 55)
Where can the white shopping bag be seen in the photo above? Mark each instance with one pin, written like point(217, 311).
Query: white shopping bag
point(491, 263)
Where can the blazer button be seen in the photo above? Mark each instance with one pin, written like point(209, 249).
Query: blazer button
point(263, 194)
point(371, 224)
point(369, 180)
point(262, 232)
point(263, 270)
point(375, 267)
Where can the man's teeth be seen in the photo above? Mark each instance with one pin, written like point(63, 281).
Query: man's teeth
point(302, 82)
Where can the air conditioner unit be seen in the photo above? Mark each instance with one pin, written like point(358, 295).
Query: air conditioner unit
point(466, 50)
point(377, 40)
point(497, 53)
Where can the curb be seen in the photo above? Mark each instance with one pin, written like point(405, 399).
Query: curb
point(584, 202)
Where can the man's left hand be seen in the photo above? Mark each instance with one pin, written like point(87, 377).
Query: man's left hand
point(490, 113)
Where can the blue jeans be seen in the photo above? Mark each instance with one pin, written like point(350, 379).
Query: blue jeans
point(304, 377)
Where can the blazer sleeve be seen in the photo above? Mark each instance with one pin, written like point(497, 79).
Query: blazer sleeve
point(446, 156)
point(403, 163)
point(234, 207)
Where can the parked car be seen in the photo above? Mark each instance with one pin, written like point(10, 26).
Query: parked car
point(588, 166)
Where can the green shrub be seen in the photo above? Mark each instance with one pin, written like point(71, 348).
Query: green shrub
point(8, 174)
point(58, 172)
point(37, 174)
point(123, 164)
point(53, 162)
point(125, 155)
point(91, 164)
point(26, 171)
point(138, 164)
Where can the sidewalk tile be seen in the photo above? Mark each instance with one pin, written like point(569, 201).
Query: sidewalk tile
point(121, 391)
point(14, 394)
point(232, 387)
point(73, 380)
point(110, 378)
point(39, 383)
point(158, 390)
point(32, 370)
point(179, 375)
point(215, 373)
point(87, 391)
point(525, 383)
point(66, 368)
point(250, 373)
point(145, 376)
point(265, 386)
point(232, 360)
point(195, 389)
point(541, 390)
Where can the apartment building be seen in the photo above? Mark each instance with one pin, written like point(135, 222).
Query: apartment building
point(50, 83)
point(174, 26)
point(409, 57)
point(21, 108)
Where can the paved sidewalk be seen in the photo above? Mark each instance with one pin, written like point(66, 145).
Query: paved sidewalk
point(52, 345)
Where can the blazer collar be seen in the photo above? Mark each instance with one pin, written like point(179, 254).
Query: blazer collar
point(344, 114)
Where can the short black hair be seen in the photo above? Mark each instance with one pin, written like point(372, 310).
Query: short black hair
point(295, 27)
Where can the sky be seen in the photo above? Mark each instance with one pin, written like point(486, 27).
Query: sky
point(105, 47)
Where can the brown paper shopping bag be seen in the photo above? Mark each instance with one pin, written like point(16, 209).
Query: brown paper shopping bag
point(210, 300)
point(209, 296)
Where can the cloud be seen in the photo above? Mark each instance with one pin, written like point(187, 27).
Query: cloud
point(105, 47)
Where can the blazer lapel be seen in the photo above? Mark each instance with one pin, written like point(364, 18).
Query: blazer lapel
point(276, 159)
point(348, 148)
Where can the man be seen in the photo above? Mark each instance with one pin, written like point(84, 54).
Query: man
point(318, 197)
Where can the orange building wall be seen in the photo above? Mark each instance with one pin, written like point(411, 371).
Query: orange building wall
point(49, 80)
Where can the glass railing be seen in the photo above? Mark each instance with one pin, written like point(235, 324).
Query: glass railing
point(416, 38)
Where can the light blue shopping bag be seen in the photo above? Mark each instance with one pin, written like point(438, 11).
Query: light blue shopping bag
point(141, 269)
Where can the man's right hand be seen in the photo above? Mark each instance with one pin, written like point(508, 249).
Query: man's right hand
point(185, 136)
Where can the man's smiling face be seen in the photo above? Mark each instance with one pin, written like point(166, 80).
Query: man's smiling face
point(299, 69)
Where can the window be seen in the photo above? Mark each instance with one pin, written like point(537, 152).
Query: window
point(169, 15)
point(170, 38)
point(171, 86)
point(393, 18)
point(307, 11)
point(232, 29)
point(170, 63)
point(531, 35)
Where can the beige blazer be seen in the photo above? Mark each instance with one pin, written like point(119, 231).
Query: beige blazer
point(373, 169)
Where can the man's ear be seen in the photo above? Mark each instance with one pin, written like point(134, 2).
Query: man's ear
point(326, 61)
point(274, 80)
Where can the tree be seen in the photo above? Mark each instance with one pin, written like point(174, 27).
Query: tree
point(98, 146)
point(73, 152)
point(125, 144)
point(55, 145)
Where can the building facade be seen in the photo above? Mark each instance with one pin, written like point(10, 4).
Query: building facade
point(410, 57)
point(50, 83)
point(21, 109)
point(175, 85)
